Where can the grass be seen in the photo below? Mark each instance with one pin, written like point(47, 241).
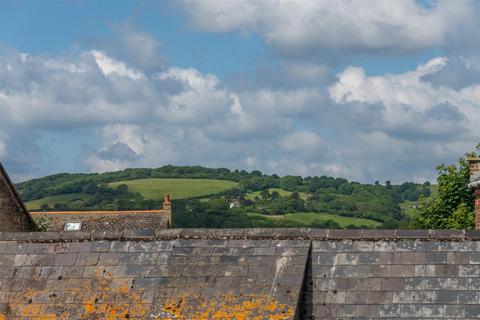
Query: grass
point(154, 189)
point(283, 193)
point(63, 198)
point(310, 217)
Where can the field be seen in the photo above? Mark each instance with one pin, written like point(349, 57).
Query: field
point(283, 193)
point(64, 198)
point(154, 189)
point(310, 217)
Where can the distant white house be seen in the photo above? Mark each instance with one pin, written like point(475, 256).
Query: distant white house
point(234, 204)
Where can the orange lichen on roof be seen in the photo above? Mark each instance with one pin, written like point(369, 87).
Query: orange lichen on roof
point(190, 306)
point(229, 306)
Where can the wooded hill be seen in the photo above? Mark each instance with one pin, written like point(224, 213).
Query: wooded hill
point(223, 198)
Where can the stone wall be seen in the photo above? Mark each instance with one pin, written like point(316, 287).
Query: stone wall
point(408, 278)
point(13, 215)
point(240, 274)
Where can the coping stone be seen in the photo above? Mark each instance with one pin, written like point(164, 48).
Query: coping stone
point(252, 234)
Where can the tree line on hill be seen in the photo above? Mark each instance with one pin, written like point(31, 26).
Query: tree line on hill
point(234, 207)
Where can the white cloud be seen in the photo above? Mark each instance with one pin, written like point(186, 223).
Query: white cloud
point(128, 134)
point(302, 141)
point(139, 116)
point(298, 27)
point(3, 147)
point(358, 127)
point(110, 66)
point(409, 102)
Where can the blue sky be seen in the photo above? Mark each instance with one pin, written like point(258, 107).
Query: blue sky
point(363, 90)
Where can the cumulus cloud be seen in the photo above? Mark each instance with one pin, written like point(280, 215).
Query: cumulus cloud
point(362, 127)
point(122, 146)
point(309, 28)
point(143, 119)
point(110, 66)
point(133, 46)
point(410, 104)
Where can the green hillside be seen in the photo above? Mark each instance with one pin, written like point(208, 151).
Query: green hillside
point(154, 189)
point(283, 193)
point(223, 198)
point(51, 201)
point(313, 217)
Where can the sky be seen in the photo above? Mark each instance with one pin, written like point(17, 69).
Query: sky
point(361, 89)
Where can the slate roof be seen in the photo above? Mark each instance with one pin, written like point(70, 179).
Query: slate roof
point(240, 274)
point(13, 213)
point(106, 220)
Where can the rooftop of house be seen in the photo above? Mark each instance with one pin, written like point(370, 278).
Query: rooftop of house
point(13, 213)
point(105, 220)
point(286, 274)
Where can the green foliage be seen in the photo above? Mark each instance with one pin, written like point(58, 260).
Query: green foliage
point(227, 198)
point(453, 208)
point(42, 224)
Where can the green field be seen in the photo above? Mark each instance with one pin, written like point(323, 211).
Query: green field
point(63, 198)
point(154, 189)
point(283, 193)
point(310, 217)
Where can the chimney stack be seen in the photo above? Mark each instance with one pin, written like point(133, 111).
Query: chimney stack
point(474, 167)
point(167, 208)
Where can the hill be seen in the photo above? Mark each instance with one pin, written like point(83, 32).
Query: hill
point(205, 197)
point(154, 189)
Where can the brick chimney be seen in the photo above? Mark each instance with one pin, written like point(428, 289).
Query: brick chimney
point(167, 207)
point(474, 166)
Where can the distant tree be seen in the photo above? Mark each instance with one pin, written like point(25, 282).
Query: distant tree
point(290, 183)
point(265, 194)
point(388, 184)
point(453, 208)
point(346, 189)
point(275, 195)
point(256, 173)
point(90, 188)
point(122, 189)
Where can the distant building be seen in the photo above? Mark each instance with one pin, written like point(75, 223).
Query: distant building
point(234, 204)
point(106, 220)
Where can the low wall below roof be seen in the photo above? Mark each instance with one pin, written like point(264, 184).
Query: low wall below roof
point(240, 274)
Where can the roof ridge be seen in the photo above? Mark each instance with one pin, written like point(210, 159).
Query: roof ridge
point(15, 194)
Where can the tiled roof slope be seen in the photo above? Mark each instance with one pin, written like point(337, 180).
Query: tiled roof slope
point(240, 274)
point(13, 214)
point(221, 278)
point(105, 220)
